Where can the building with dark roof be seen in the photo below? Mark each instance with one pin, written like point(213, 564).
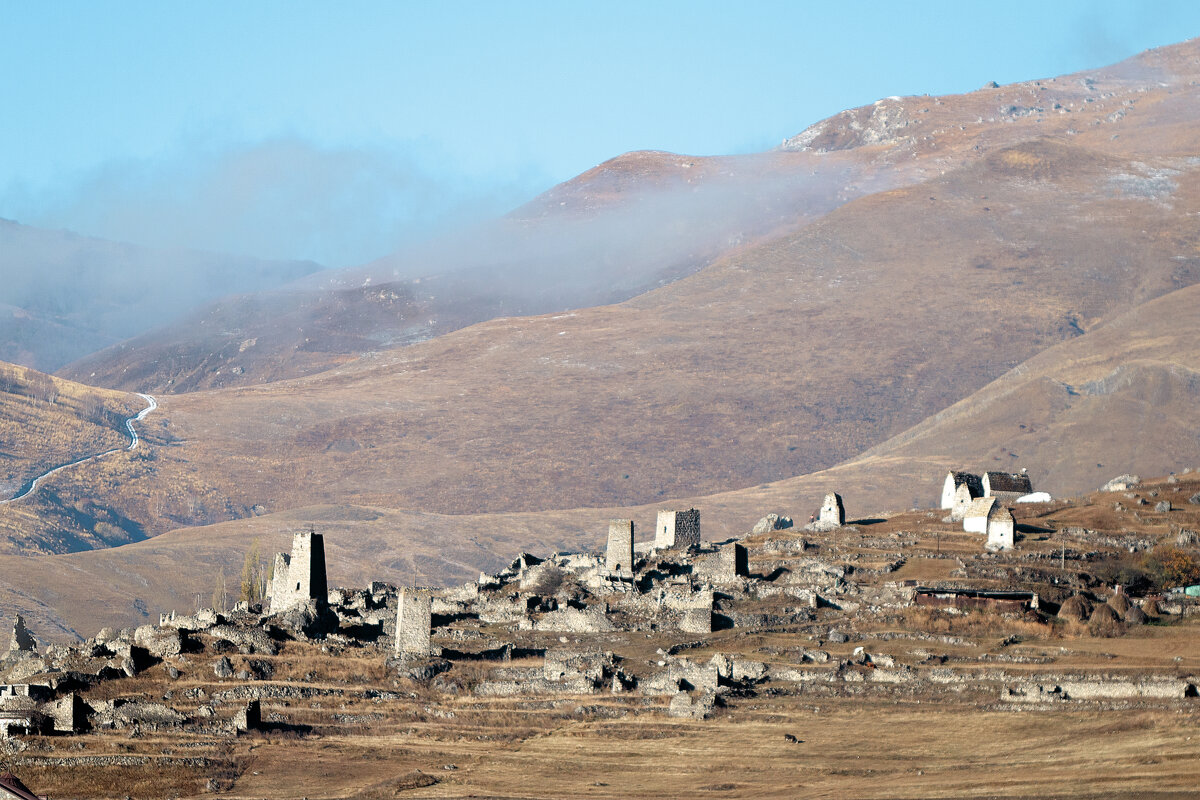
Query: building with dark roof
point(1006, 485)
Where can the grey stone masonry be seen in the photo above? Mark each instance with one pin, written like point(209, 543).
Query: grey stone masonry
point(619, 555)
point(248, 718)
point(414, 619)
point(729, 562)
point(832, 510)
point(677, 530)
point(697, 617)
point(301, 577)
point(22, 639)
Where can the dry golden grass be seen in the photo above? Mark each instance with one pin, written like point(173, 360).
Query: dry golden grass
point(45, 421)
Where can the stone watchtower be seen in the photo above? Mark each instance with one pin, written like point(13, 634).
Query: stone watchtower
point(832, 510)
point(22, 640)
point(677, 530)
point(619, 555)
point(414, 621)
point(303, 577)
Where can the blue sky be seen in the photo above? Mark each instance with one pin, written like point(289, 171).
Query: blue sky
point(338, 131)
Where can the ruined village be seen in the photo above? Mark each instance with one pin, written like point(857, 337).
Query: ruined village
point(990, 600)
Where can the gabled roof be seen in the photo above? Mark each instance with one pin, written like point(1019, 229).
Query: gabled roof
point(1009, 482)
point(980, 507)
point(12, 784)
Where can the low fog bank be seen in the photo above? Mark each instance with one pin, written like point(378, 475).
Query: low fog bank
point(66, 295)
point(614, 233)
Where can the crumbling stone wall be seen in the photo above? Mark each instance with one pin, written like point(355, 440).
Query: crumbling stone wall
point(677, 530)
point(727, 563)
point(697, 615)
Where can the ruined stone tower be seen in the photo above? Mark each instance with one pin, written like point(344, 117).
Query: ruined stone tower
point(414, 620)
point(22, 640)
point(619, 556)
point(832, 510)
point(300, 577)
point(677, 530)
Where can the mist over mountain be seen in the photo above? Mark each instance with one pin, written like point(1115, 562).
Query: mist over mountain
point(66, 295)
point(634, 223)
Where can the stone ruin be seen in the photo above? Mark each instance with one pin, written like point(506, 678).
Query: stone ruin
point(22, 640)
point(831, 516)
point(541, 626)
point(618, 556)
point(413, 623)
point(728, 562)
point(677, 530)
point(300, 577)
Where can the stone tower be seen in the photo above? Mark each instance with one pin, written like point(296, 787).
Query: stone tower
point(619, 556)
point(832, 510)
point(414, 619)
point(677, 530)
point(304, 570)
point(22, 639)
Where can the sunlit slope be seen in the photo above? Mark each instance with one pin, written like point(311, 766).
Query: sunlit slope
point(47, 421)
point(644, 219)
point(785, 359)
point(1125, 397)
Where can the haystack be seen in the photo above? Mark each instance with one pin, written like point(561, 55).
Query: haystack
point(1104, 614)
point(1135, 616)
point(1075, 608)
point(1119, 603)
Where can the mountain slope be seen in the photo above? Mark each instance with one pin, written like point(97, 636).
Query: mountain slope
point(786, 359)
point(636, 222)
point(1124, 397)
point(68, 295)
point(787, 356)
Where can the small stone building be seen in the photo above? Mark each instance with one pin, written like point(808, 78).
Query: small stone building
point(68, 713)
point(987, 516)
point(973, 485)
point(619, 555)
point(962, 501)
point(248, 718)
point(1001, 529)
point(300, 577)
point(1007, 486)
point(976, 516)
point(414, 622)
point(677, 530)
